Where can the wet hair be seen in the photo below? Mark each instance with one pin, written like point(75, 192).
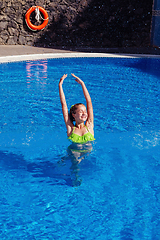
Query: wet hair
point(73, 110)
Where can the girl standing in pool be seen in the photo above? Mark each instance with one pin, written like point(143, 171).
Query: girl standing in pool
point(83, 130)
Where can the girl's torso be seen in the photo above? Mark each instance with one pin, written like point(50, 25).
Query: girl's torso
point(86, 136)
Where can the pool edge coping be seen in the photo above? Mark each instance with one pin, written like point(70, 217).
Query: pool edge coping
point(27, 57)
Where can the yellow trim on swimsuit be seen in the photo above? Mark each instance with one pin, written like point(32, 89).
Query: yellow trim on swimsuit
point(87, 137)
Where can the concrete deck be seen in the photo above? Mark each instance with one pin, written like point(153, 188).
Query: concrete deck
point(13, 50)
point(9, 53)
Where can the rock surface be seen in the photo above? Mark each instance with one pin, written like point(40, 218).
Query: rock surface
point(78, 23)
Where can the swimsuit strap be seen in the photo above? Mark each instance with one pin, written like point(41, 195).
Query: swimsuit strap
point(73, 129)
point(86, 128)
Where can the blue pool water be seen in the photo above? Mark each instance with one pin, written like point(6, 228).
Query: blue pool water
point(114, 192)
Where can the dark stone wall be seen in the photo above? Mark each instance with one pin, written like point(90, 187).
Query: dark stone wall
point(79, 23)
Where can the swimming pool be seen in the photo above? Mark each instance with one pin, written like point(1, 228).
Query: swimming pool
point(114, 192)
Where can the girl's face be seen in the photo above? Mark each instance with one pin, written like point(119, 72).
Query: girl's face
point(81, 114)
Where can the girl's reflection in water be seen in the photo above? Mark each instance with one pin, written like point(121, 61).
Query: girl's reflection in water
point(76, 153)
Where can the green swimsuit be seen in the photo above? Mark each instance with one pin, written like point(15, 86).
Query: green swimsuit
point(81, 139)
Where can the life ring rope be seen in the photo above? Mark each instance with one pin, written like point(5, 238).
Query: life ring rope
point(38, 11)
point(38, 14)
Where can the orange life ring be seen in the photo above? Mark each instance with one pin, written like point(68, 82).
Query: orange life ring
point(34, 27)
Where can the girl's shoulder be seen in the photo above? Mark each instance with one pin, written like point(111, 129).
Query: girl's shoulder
point(70, 129)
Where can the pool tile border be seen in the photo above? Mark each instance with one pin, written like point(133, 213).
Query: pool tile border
point(18, 58)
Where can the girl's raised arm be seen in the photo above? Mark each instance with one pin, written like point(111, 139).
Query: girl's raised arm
point(64, 106)
point(88, 100)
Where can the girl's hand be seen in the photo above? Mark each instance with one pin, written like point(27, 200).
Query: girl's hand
point(62, 79)
point(77, 79)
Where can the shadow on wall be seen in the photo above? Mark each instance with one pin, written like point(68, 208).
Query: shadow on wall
point(150, 66)
point(99, 23)
point(145, 65)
